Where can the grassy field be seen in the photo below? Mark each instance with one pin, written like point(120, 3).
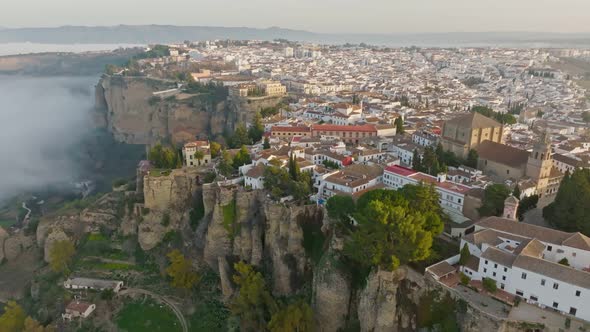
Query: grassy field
point(147, 316)
point(5, 223)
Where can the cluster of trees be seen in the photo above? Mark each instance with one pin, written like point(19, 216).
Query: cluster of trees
point(242, 136)
point(393, 227)
point(61, 254)
point(330, 164)
point(157, 51)
point(269, 111)
point(14, 319)
point(259, 311)
point(228, 165)
point(165, 157)
point(493, 201)
point(436, 160)
point(399, 126)
point(216, 91)
point(291, 181)
point(181, 271)
point(505, 118)
point(570, 211)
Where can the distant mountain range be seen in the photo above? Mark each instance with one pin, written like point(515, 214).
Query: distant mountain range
point(146, 34)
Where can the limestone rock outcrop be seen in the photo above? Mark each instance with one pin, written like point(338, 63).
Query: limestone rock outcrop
point(54, 236)
point(377, 303)
point(331, 295)
point(171, 192)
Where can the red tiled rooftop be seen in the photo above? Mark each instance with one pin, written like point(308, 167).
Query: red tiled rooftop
point(291, 129)
point(328, 127)
point(400, 170)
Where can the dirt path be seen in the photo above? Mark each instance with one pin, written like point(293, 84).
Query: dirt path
point(161, 299)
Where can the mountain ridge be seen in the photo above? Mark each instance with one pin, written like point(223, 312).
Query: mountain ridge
point(147, 34)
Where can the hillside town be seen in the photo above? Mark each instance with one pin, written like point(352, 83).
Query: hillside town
point(460, 120)
point(341, 181)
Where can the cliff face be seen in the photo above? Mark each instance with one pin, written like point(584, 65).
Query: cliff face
point(127, 108)
point(245, 225)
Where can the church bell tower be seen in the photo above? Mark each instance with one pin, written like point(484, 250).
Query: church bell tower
point(540, 162)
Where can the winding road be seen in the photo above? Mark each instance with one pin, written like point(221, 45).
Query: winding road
point(161, 299)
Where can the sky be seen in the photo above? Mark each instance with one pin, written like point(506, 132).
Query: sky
point(330, 16)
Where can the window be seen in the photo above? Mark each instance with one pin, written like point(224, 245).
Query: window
point(578, 293)
point(494, 274)
point(534, 298)
point(555, 305)
point(507, 171)
point(486, 262)
point(519, 292)
point(542, 282)
point(505, 269)
point(495, 266)
point(485, 270)
point(573, 311)
point(549, 248)
point(523, 275)
point(503, 277)
point(502, 286)
point(555, 285)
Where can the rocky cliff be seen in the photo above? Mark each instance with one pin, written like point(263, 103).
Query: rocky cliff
point(127, 107)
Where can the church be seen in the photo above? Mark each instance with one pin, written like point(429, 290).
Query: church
point(502, 162)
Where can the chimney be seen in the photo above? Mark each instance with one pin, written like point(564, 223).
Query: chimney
point(441, 177)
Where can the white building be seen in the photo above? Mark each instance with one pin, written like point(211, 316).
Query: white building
point(451, 195)
point(94, 284)
point(524, 260)
point(78, 309)
point(350, 181)
point(189, 150)
point(254, 177)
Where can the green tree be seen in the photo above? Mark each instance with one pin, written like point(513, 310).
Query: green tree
point(257, 129)
point(340, 208)
point(570, 211)
point(516, 192)
point(296, 317)
point(266, 144)
point(493, 201)
point(564, 261)
point(164, 157)
point(181, 271)
point(215, 149)
point(294, 171)
point(399, 126)
point(586, 116)
point(417, 161)
point(32, 325)
point(465, 255)
point(225, 166)
point(391, 231)
point(199, 155)
point(490, 285)
point(13, 318)
point(242, 157)
point(253, 304)
point(60, 255)
point(526, 204)
point(472, 158)
point(240, 137)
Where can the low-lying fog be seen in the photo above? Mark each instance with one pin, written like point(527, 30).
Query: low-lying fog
point(40, 119)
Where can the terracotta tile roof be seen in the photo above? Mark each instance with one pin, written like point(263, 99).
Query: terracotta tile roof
point(441, 269)
point(362, 128)
point(256, 171)
point(554, 270)
point(525, 230)
point(579, 241)
point(498, 256)
point(474, 120)
point(502, 154)
point(299, 129)
point(78, 306)
point(472, 263)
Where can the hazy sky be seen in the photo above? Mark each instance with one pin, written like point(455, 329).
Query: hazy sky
point(382, 16)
